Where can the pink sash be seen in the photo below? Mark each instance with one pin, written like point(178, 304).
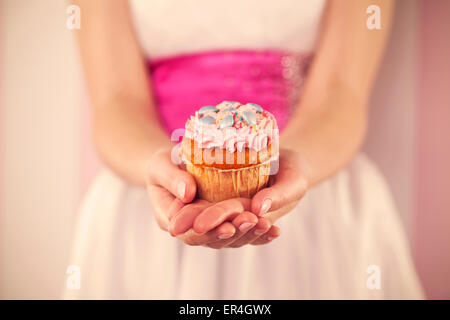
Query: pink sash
point(185, 83)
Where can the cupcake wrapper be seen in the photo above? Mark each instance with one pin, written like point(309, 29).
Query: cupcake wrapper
point(216, 185)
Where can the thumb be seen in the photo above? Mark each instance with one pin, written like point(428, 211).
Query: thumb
point(290, 186)
point(165, 173)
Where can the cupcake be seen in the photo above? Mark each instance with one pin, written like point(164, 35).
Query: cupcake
point(229, 149)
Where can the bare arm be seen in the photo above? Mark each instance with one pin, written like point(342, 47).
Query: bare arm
point(330, 123)
point(126, 128)
point(329, 126)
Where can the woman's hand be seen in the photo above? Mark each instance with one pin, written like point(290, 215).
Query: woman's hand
point(286, 188)
point(166, 182)
point(196, 221)
point(172, 191)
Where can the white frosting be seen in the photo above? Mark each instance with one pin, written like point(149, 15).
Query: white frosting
point(237, 137)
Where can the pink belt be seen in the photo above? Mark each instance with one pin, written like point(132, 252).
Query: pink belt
point(185, 83)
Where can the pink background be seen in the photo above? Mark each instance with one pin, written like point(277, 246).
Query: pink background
point(432, 241)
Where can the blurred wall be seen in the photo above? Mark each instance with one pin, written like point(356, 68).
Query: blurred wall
point(41, 97)
point(390, 141)
point(432, 240)
point(47, 158)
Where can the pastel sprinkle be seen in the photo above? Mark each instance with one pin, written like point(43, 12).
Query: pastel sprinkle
point(257, 107)
point(231, 109)
point(205, 109)
point(208, 120)
point(249, 118)
point(230, 102)
point(227, 121)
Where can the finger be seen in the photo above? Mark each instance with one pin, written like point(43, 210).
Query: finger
point(258, 230)
point(167, 174)
point(270, 235)
point(219, 212)
point(225, 231)
point(175, 208)
point(223, 235)
point(183, 220)
point(191, 238)
point(177, 205)
point(289, 185)
point(243, 223)
point(160, 200)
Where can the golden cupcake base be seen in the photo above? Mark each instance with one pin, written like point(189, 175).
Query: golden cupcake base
point(216, 185)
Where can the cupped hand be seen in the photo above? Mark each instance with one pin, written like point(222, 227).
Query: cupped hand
point(199, 220)
point(172, 191)
point(285, 189)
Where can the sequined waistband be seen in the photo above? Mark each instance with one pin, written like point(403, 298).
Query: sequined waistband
point(272, 79)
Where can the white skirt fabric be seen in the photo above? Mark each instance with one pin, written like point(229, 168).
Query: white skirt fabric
point(343, 241)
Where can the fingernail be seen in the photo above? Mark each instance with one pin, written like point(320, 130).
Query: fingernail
point(270, 238)
point(259, 232)
point(225, 236)
point(265, 206)
point(181, 189)
point(246, 226)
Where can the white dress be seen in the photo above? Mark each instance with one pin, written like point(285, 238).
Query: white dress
point(344, 239)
